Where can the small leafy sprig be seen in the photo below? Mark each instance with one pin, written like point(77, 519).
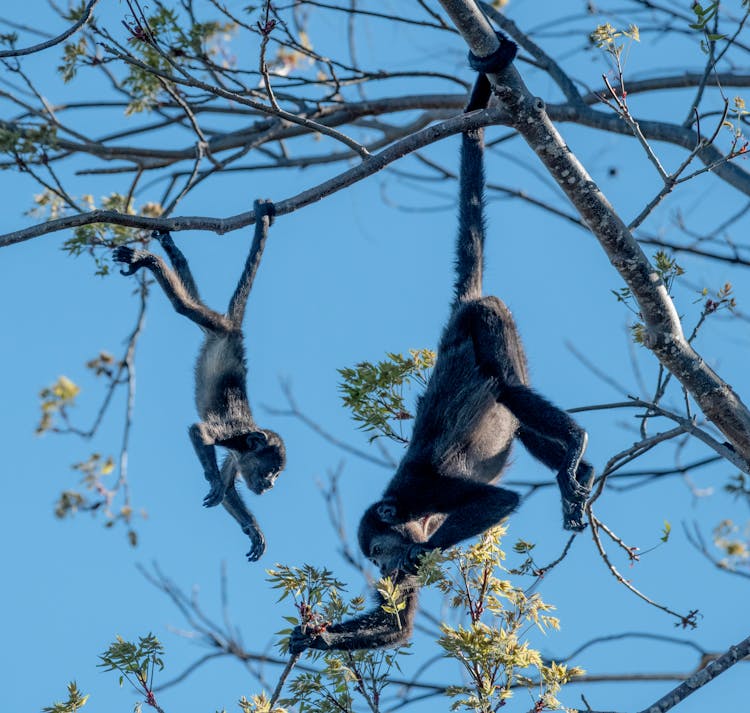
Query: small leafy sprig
point(76, 700)
point(346, 677)
point(136, 663)
point(668, 270)
point(491, 647)
point(375, 392)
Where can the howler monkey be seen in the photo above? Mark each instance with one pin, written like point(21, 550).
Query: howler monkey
point(476, 403)
point(255, 454)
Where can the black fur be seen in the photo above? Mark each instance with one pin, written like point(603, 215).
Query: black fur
point(476, 403)
point(257, 455)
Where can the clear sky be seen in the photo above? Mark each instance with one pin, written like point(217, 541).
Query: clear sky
point(365, 271)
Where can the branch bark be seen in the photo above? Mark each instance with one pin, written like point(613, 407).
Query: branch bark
point(663, 333)
point(701, 678)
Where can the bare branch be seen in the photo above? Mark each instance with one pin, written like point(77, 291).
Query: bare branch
point(701, 678)
point(368, 167)
point(88, 11)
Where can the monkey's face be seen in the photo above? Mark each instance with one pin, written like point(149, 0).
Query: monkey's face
point(388, 551)
point(264, 460)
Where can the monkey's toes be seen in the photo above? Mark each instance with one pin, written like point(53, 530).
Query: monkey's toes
point(127, 256)
point(256, 552)
point(123, 253)
point(574, 516)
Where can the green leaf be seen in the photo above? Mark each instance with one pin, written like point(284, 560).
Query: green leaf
point(666, 531)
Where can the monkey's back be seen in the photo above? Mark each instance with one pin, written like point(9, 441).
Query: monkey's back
point(460, 428)
point(220, 378)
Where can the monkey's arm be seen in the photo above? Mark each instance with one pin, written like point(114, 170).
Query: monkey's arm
point(374, 630)
point(173, 288)
point(238, 510)
point(207, 456)
point(179, 263)
point(264, 211)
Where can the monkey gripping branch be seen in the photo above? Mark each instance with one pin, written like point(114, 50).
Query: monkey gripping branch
point(663, 334)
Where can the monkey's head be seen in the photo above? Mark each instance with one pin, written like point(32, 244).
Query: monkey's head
point(391, 548)
point(262, 460)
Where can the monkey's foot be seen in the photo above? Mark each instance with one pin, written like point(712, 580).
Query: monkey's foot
point(215, 495)
point(258, 546)
point(574, 515)
point(575, 494)
point(134, 259)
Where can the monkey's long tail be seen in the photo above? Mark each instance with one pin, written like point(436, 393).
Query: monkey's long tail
point(471, 225)
point(282, 680)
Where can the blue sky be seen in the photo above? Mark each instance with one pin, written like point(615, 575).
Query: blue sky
point(345, 280)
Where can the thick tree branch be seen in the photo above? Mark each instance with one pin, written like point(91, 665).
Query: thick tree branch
point(663, 333)
point(701, 678)
point(373, 164)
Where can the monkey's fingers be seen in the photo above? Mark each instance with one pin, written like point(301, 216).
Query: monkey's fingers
point(215, 495)
point(259, 546)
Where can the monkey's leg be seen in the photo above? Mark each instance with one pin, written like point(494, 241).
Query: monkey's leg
point(238, 510)
point(552, 453)
point(549, 422)
point(499, 354)
point(264, 211)
point(179, 263)
point(207, 456)
point(173, 288)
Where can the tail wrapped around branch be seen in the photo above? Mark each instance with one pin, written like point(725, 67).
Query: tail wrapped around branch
point(471, 223)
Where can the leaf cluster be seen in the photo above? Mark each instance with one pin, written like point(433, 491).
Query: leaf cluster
point(345, 677)
point(491, 646)
point(135, 662)
point(95, 237)
point(76, 700)
point(55, 399)
point(28, 143)
point(668, 270)
point(375, 392)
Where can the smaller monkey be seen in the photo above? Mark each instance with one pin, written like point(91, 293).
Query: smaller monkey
point(255, 454)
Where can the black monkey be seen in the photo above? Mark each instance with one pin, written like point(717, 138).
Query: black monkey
point(256, 454)
point(477, 401)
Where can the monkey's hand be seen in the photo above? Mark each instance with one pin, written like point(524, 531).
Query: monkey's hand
point(134, 259)
point(258, 540)
point(410, 558)
point(299, 641)
point(575, 492)
point(216, 494)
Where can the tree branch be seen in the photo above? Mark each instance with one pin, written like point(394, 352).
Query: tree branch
point(663, 333)
point(86, 14)
point(368, 167)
